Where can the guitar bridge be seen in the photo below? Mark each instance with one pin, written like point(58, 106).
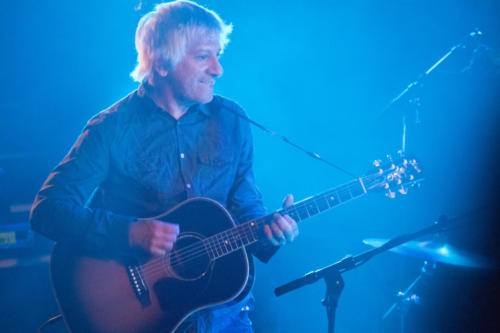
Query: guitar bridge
point(139, 285)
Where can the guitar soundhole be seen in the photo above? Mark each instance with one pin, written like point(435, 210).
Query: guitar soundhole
point(188, 259)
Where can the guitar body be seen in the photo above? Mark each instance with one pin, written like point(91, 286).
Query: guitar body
point(111, 294)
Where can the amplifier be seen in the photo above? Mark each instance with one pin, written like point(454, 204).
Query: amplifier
point(16, 236)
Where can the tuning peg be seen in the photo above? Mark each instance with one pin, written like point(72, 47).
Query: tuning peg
point(377, 163)
point(414, 164)
point(402, 172)
point(390, 194)
point(403, 190)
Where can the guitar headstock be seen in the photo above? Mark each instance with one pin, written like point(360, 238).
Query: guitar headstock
point(394, 175)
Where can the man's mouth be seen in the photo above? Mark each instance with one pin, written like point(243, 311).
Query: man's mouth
point(208, 82)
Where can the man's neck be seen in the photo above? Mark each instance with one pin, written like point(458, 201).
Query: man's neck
point(163, 97)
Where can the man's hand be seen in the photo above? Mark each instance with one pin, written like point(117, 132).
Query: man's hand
point(283, 229)
point(153, 236)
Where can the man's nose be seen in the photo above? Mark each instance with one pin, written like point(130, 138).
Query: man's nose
point(215, 68)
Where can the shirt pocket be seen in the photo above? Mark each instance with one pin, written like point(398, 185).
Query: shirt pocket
point(216, 169)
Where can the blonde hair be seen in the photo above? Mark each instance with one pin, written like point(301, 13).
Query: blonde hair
point(164, 34)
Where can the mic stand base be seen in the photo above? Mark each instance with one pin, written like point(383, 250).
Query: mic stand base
point(334, 287)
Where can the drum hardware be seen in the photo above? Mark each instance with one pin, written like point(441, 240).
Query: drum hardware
point(332, 273)
point(407, 298)
point(432, 252)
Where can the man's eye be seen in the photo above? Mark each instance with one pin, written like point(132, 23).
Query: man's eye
point(202, 57)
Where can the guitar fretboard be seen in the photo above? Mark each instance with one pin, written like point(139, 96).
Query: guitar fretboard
point(247, 233)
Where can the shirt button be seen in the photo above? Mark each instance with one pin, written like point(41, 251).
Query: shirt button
point(188, 185)
point(182, 155)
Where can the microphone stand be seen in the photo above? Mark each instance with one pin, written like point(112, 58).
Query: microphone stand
point(332, 273)
point(416, 100)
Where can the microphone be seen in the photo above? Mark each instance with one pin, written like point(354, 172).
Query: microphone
point(479, 49)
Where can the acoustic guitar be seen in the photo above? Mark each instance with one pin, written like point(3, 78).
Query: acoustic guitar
point(207, 266)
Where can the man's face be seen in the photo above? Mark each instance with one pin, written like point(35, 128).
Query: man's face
point(192, 80)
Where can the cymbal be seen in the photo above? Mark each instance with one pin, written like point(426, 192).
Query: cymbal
point(435, 251)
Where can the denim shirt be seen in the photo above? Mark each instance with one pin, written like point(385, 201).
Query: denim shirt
point(135, 160)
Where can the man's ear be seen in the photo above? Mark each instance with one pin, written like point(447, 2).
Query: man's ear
point(161, 69)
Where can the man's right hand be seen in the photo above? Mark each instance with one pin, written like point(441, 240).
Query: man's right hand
point(153, 236)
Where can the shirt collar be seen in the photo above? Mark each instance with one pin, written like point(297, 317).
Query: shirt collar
point(142, 92)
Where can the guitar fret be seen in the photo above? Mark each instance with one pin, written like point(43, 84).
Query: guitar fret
point(310, 210)
point(331, 199)
point(316, 205)
point(242, 243)
point(235, 239)
point(342, 196)
point(227, 246)
point(219, 246)
point(245, 233)
point(322, 203)
point(250, 227)
point(226, 242)
point(232, 240)
point(303, 212)
point(239, 239)
point(221, 243)
point(294, 214)
point(216, 248)
point(358, 189)
point(209, 250)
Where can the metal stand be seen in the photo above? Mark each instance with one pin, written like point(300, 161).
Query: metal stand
point(407, 298)
point(332, 273)
point(334, 287)
point(415, 102)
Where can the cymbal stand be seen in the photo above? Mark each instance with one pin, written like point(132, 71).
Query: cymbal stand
point(407, 298)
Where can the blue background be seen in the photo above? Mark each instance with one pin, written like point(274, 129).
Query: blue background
point(320, 73)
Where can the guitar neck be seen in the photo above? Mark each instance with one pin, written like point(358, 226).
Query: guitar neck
point(324, 201)
point(250, 232)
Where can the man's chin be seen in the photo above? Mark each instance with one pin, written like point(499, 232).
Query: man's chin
point(207, 99)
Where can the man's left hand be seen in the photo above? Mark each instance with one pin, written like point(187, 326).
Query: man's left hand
point(283, 229)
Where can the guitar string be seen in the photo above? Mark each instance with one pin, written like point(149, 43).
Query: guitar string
point(215, 240)
point(198, 250)
point(212, 242)
point(215, 245)
point(159, 265)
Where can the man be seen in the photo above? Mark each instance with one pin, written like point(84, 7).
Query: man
point(170, 140)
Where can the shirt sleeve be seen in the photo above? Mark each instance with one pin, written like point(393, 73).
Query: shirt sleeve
point(245, 199)
point(60, 212)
